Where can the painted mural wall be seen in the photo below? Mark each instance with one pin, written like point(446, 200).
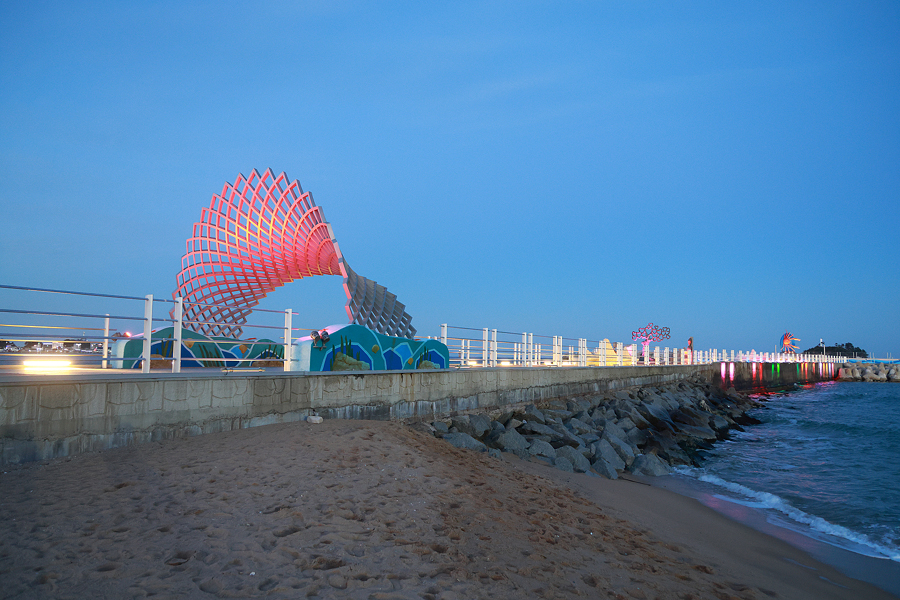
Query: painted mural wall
point(357, 348)
point(349, 348)
point(198, 350)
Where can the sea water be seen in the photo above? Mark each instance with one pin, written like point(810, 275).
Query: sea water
point(824, 462)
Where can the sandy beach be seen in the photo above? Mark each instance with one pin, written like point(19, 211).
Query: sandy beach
point(365, 509)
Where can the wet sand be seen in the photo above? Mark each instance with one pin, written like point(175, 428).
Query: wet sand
point(362, 509)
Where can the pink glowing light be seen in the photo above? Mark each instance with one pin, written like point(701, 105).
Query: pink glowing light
point(650, 333)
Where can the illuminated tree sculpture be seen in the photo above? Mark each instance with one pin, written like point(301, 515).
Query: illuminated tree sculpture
point(650, 333)
point(257, 235)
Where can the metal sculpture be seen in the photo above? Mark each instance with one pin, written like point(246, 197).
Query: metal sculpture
point(650, 333)
point(257, 235)
point(787, 343)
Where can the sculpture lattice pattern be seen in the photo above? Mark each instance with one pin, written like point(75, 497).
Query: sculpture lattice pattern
point(257, 235)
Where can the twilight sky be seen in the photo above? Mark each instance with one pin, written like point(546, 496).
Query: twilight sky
point(729, 170)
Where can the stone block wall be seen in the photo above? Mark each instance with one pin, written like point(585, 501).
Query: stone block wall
point(48, 417)
point(44, 417)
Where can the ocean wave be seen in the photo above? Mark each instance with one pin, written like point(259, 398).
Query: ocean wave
point(764, 500)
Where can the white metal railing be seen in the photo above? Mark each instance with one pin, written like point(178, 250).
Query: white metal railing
point(48, 331)
point(473, 347)
point(41, 329)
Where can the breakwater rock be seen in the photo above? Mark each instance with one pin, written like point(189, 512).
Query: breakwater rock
point(644, 430)
point(869, 372)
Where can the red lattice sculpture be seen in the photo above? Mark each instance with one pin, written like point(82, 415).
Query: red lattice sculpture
point(257, 235)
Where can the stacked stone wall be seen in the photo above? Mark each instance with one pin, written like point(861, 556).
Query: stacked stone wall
point(45, 417)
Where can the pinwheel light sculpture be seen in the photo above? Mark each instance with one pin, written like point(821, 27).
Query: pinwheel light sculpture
point(258, 234)
point(786, 344)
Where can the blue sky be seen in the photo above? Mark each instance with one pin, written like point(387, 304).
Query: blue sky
point(729, 170)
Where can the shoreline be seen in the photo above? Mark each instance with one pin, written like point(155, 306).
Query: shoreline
point(373, 509)
point(744, 544)
point(879, 571)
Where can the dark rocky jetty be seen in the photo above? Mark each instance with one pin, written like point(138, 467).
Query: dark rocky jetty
point(869, 372)
point(643, 430)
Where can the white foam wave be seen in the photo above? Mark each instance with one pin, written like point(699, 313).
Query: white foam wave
point(765, 500)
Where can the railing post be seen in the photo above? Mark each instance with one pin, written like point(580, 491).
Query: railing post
point(484, 347)
point(176, 343)
point(444, 333)
point(529, 351)
point(287, 339)
point(148, 324)
point(105, 341)
point(524, 353)
point(493, 347)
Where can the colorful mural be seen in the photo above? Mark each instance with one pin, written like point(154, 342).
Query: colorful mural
point(356, 348)
point(198, 350)
point(349, 348)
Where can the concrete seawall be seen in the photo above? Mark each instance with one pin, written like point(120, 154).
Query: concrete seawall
point(53, 416)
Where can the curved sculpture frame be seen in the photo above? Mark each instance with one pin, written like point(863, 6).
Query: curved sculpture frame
point(257, 235)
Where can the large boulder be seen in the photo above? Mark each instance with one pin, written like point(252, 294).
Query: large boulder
point(577, 405)
point(655, 415)
point(587, 438)
point(625, 424)
point(566, 437)
point(612, 428)
point(509, 441)
point(649, 464)
point(564, 464)
point(637, 437)
point(579, 462)
point(873, 375)
point(557, 414)
point(475, 425)
point(538, 429)
point(579, 427)
point(705, 434)
point(531, 414)
point(720, 424)
point(846, 373)
point(605, 469)
point(465, 441)
point(639, 420)
point(604, 452)
point(541, 448)
point(622, 448)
